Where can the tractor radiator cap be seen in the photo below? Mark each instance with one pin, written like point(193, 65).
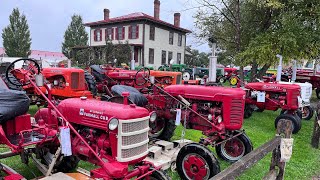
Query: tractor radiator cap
point(83, 97)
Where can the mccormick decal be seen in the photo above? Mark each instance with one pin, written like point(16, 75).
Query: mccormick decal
point(93, 114)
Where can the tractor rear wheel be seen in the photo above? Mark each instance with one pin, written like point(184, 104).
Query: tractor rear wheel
point(233, 80)
point(296, 123)
point(195, 161)
point(162, 129)
point(318, 93)
point(307, 112)
point(235, 148)
point(12, 79)
point(91, 83)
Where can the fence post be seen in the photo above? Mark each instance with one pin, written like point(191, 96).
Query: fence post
point(316, 129)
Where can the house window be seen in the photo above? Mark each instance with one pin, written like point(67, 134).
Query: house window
point(152, 32)
point(120, 33)
point(170, 37)
point(109, 34)
point(97, 35)
point(169, 56)
point(151, 56)
point(179, 58)
point(179, 40)
point(134, 32)
point(164, 57)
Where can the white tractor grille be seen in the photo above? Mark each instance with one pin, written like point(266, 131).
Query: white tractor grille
point(132, 139)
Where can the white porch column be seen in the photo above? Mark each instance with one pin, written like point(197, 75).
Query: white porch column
point(213, 65)
point(132, 63)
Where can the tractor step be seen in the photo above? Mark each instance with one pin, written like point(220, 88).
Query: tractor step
point(164, 153)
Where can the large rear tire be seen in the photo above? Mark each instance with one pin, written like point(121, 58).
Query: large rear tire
point(296, 124)
point(235, 148)
point(91, 83)
point(195, 161)
point(12, 79)
point(162, 129)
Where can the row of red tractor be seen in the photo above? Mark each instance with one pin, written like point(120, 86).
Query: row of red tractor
point(112, 114)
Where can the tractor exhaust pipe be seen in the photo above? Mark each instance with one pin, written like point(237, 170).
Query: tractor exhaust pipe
point(294, 71)
point(279, 70)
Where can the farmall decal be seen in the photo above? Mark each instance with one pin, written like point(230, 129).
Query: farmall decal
point(270, 87)
point(93, 114)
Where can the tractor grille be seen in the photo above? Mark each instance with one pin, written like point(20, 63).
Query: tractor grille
point(294, 99)
point(132, 139)
point(134, 126)
point(74, 80)
point(236, 115)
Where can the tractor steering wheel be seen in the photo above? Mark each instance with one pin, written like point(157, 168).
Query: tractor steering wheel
point(29, 67)
point(142, 76)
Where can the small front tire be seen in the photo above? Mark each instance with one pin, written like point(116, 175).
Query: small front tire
point(195, 161)
point(307, 112)
point(235, 148)
point(296, 126)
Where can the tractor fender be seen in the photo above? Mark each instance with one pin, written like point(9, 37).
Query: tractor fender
point(44, 114)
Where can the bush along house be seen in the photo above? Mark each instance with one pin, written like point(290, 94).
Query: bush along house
point(153, 42)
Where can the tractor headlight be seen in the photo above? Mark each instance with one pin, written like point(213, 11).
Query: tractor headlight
point(226, 73)
point(113, 124)
point(153, 116)
point(219, 119)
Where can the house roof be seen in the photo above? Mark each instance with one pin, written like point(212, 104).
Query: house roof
point(134, 17)
point(37, 54)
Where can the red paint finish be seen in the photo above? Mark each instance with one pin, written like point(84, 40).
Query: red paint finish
point(195, 167)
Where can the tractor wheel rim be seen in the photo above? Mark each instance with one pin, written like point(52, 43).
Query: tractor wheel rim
point(221, 80)
point(233, 81)
point(156, 128)
point(233, 149)
point(305, 112)
point(186, 76)
point(195, 167)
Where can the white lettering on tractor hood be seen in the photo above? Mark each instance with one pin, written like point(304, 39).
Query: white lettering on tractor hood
point(93, 114)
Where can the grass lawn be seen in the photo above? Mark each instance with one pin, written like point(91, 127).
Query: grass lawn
point(304, 164)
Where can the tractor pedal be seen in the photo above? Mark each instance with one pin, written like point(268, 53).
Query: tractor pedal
point(165, 145)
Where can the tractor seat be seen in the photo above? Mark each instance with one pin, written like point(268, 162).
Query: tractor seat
point(12, 104)
point(135, 96)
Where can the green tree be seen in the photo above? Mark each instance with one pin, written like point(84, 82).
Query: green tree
point(16, 36)
point(196, 58)
point(75, 35)
point(265, 28)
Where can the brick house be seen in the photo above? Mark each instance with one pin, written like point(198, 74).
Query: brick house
point(153, 42)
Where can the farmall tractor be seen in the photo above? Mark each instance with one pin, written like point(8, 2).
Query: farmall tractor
point(64, 83)
point(216, 111)
point(78, 128)
point(108, 76)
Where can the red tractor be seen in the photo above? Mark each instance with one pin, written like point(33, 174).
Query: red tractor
point(274, 96)
point(216, 111)
point(78, 128)
point(64, 83)
point(108, 76)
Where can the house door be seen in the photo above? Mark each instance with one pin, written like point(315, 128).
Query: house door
point(136, 54)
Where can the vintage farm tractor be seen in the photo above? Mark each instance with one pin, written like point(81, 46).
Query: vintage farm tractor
point(78, 128)
point(216, 111)
point(64, 83)
point(108, 76)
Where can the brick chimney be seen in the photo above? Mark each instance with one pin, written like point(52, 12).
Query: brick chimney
point(156, 9)
point(177, 19)
point(106, 13)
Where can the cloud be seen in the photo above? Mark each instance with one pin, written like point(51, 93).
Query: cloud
point(48, 20)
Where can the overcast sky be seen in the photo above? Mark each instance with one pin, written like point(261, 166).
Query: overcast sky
point(48, 19)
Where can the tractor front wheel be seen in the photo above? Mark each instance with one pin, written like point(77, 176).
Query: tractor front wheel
point(233, 80)
point(158, 175)
point(307, 112)
point(195, 161)
point(296, 123)
point(162, 129)
point(248, 110)
point(235, 148)
point(186, 75)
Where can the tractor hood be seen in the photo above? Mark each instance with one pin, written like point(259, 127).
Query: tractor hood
point(272, 86)
point(48, 72)
point(204, 92)
point(95, 113)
